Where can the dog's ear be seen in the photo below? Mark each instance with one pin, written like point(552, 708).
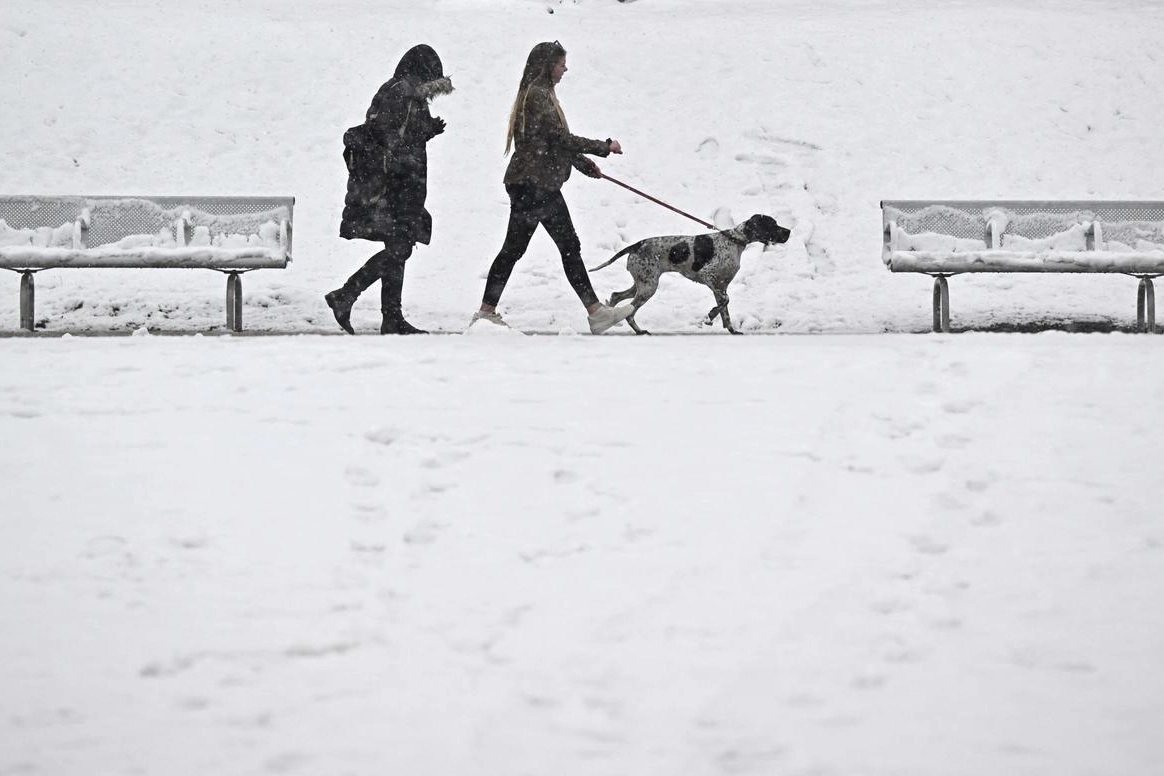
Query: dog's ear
point(752, 229)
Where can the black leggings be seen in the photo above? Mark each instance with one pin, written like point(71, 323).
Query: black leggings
point(386, 265)
point(529, 207)
point(396, 252)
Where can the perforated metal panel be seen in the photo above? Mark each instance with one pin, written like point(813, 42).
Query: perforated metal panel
point(943, 218)
point(34, 213)
point(113, 218)
point(1122, 221)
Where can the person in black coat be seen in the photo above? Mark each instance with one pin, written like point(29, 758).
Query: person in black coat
point(388, 183)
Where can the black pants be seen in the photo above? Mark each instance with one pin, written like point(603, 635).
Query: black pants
point(387, 266)
point(529, 207)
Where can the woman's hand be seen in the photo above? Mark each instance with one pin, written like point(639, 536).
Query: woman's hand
point(615, 147)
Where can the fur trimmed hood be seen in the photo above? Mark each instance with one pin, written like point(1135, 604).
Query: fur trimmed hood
point(421, 69)
point(430, 89)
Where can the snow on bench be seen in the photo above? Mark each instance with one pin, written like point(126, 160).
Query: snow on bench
point(232, 235)
point(944, 238)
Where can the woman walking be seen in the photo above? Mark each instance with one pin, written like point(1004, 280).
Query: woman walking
point(544, 152)
point(387, 185)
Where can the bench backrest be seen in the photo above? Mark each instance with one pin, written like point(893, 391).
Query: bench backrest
point(1120, 226)
point(112, 222)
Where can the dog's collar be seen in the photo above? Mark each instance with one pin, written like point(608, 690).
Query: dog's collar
point(737, 240)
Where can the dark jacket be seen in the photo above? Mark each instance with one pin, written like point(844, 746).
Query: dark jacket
point(386, 157)
point(544, 149)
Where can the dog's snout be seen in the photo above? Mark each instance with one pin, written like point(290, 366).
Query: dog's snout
point(777, 235)
point(768, 231)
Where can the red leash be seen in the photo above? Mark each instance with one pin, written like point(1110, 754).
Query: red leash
point(658, 202)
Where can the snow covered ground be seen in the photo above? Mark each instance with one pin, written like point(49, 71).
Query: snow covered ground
point(829, 554)
point(839, 549)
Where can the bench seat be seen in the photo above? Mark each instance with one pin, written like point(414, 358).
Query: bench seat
point(19, 257)
point(940, 262)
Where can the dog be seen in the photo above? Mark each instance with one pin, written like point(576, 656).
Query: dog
point(711, 259)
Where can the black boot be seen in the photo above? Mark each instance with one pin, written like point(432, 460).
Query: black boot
point(341, 300)
point(341, 308)
point(390, 289)
point(397, 325)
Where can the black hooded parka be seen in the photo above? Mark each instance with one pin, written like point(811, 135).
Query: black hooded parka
point(386, 157)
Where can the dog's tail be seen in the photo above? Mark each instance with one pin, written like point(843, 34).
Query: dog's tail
point(615, 257)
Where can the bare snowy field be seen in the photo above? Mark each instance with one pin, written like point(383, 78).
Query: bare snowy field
point(870, 554)
point(828, 548)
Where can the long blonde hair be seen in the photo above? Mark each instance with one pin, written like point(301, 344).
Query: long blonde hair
point(538, 64)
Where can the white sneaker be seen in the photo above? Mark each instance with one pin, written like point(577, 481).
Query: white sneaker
point(491, 317)
point(604, 317)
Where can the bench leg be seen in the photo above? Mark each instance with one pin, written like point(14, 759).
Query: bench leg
point(941, 304)
point(1148, 293)
point(234, 301)
point(1140, 305)
point(27, 301)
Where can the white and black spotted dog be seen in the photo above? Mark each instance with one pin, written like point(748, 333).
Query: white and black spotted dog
point(711, 259)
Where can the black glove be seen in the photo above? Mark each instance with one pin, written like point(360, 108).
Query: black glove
point(438, 126)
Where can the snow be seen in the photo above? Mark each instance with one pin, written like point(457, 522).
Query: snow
point(40, 237)
point(1147, 262)
point(1074, 238)
point(143, 250)
point(827, 547)
point(901, 240)
point(839, 554)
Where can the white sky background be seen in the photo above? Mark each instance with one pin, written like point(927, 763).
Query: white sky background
point(846, 552)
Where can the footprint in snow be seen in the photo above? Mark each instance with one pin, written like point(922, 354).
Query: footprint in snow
point(927, 545)
point(888, 606)
point(189, 542)
point(960, 407)
point(369, 513)
point(952, 441)
point(383, 436)
point(764, 159)
point(760, 758)
point(722, 218)
point(987, 518)
point(978, 485)
point(948, 502)
point(942, 622)
point(923, 465)
point(868, 680)
point(286, 762)
point(424, 532)
point(803, 700)
point(361, 477)
point(101, 546)
point(903, 654)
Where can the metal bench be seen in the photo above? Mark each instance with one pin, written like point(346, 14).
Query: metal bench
point(944, 238)
point(232, 235)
